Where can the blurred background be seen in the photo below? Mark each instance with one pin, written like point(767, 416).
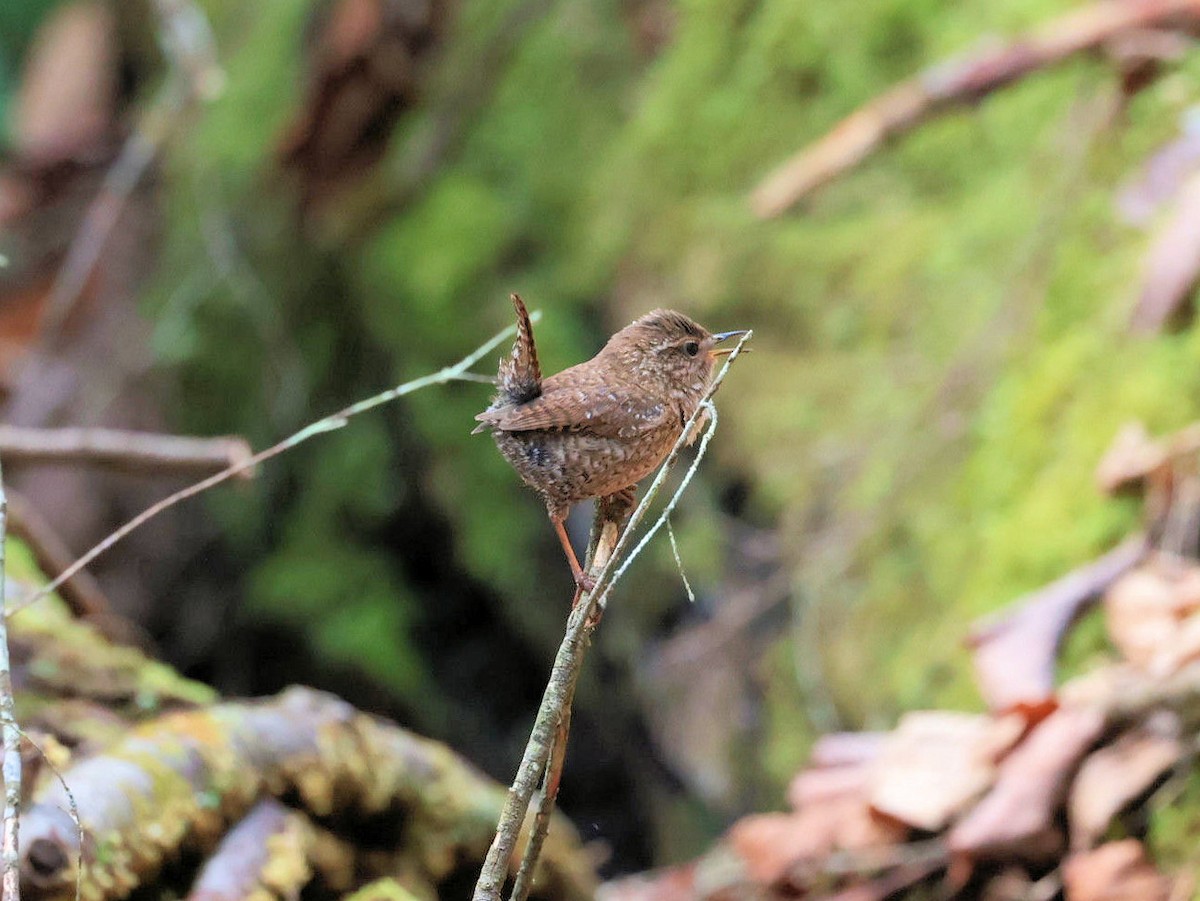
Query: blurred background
point(233, 218)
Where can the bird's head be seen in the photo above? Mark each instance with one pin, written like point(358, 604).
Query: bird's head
point(670, 350)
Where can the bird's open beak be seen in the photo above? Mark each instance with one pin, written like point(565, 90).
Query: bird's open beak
point(725, 336)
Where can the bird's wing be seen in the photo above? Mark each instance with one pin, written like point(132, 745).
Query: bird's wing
point(616, 411)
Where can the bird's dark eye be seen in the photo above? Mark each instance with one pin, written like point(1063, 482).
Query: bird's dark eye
point(691, 348)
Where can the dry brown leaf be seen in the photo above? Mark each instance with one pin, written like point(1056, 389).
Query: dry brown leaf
point(1017, 817)
point(1015, 655)
point(820, 785)
point(68, 89)
point(1148, 614)
point(936, 763)
point(1131, 458)
point(674, 884)
point(1171, 267)
point(846, 748)
point(1117, 871)
point(1117, 773)
point(771, 845)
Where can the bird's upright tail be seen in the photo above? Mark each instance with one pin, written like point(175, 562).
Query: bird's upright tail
point(520, 376)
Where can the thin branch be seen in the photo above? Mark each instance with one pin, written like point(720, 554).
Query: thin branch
point(72, 810)
point(135, 452)
point(321, 426)
point(953, 83)
point(10, 855)
point(568, 663)
point(612, 514)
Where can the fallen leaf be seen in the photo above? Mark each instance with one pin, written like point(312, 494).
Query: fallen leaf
point(1015, 654)
point(674, 884)
point(844, 748)
point(1149, 613)
point(1117, 871)
point(1017, 817)
point(771, 845)
point(1114, 775)
point(936, 763)
point(1171, 267)
point(1130, 459)
point(819, 785)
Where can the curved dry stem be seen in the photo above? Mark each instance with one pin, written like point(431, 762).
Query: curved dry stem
point(328, 424)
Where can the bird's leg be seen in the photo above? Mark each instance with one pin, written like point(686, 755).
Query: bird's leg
point(583, 582)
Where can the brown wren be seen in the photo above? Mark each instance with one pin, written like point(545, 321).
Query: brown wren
point(598, 428)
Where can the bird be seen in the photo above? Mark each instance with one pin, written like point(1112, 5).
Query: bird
point(596, 429)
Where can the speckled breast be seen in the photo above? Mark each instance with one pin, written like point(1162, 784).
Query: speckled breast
point(566, 467)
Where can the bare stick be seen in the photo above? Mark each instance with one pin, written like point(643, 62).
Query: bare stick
point(548, 797)
point(321, 426)
point(10, 858)
point(611, 516)
point(953, 83)
point(569, 662)
point(136, 452)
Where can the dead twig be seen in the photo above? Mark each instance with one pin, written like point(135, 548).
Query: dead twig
point(10, 854)
point(955, 83)
point(568, 663)
point(328, 424)
point(135, 452)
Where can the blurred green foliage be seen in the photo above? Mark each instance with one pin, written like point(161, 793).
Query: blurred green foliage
point(941, 352)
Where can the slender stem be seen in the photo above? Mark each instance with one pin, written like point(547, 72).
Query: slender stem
point(328, 424)
point(10, 860)
point(136, 452)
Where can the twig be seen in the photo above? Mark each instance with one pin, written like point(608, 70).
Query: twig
point(321, 426)
point(10, 859)
point(548, 797)
point(612, 514)
point(569, 661)
point(952, 83)
point(136, 452)
point(187, 43)
point(82, 593)
point(72, 811)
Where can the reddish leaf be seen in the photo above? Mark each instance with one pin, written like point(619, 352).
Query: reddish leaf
point(1016, 818)
point(935, 764)
point(1114, 775)
point(843, 748)
point(674, 884)
point(1130, 459)
point(1152, 614)
point(1117, 871)
point(770, 845)
point(1015, 655)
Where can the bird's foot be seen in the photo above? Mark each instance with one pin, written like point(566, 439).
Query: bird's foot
point(584, 583)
